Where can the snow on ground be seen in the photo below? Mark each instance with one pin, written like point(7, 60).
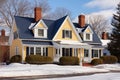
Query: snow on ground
point(16, 69)
point(103, 76)
point(115, 67)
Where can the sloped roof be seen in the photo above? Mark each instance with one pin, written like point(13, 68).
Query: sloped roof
point(95, 37)
point(24, 32)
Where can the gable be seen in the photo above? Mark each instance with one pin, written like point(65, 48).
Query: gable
point(88, 30)
point(40, 24)
point(66, 25)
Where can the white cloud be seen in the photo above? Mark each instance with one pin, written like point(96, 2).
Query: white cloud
point(103, 4)
point(106, 13)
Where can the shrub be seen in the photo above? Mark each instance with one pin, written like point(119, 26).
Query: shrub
point(67, 60)
point(118, 57)
point(109, 59)
point(37, 59)
point(16, 59)
point(96, 61)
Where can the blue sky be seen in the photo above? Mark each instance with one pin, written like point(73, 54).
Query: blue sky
point(87, 7)
point(75, 6)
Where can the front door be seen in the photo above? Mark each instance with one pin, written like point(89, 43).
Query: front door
point(57, 55)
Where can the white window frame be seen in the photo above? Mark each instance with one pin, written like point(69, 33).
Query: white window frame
point(43, 50)
point(69, 34)
point(85, 37)
point(36, 35)
point(76, 52)
point(86, 53)
point(98, 53)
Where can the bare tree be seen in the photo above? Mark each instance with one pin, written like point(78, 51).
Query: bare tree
point(11, 8)
point(98, 23)
point(58, 13)
point(44, 5)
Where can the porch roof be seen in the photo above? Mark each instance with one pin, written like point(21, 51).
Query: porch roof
point(70, 44)
point(32, 42)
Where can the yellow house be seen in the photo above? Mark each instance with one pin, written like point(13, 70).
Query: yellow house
point(54, 38)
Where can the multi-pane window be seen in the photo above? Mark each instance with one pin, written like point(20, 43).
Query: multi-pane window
point(76, 52)
point(67, 51)
point(40, 32)
point(86, 53)
point(31, 50)
point(87, 36)
point(67, 34)
point(43, 51)
point(95, 53)
point(38, 50)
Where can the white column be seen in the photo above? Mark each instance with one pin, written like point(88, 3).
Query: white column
point(41, 51)
point(90, 55)
point(101, 52)
point(81, 58)
point(60, 52)
point(29, 50)
point(74, 51)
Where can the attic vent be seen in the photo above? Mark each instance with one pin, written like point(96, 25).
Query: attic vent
point(31, 25)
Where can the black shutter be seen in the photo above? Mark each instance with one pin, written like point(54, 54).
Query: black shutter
point(27, 50)
point(46, 51)
point(63, 34)
point(63, 51)
point(70, 34)
point(92, 54)
point(70, 51)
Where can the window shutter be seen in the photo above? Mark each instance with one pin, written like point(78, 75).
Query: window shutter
point(46, 51)
point(27, 50)
point(63, 34)
point(70, 51)
point(92, 54)
point(70, 34)
point(63, 51)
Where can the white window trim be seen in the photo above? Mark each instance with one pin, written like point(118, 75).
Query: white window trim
point(97, 53)
point(91, 37)
point(69, 33)
point(36, 33)
point(35, 50)
point(88, 53)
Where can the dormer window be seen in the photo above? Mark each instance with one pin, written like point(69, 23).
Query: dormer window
point(88, 37)
point(41, 32)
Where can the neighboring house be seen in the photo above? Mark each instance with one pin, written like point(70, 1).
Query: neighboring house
point(54, 38)
point(105, 40)
point(4, 47)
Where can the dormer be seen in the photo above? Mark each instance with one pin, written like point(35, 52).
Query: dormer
point(88, 34)
point(38, 28)
point(84, 31)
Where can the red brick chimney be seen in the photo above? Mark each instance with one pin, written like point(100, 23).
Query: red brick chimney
point(81, 20)
point(2, 32)
point(37, 13)
point(104, 35)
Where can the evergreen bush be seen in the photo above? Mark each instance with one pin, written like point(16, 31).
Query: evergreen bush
point(67, 60)
point(37, 59)
point(96, 61)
